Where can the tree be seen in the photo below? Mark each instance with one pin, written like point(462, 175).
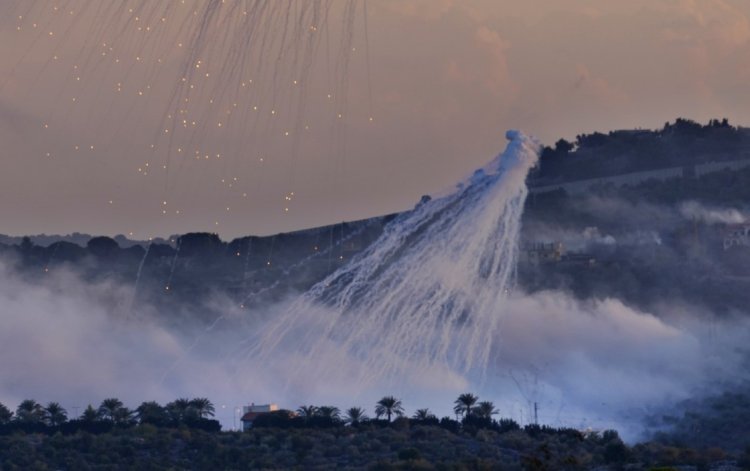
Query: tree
point(307, 411)
point(123, 416)
point(485, 410)
point(464, 403)
point(55, 414)
point(109, 409)
point(389, 406)
point(151, 412)
point(181, 409)
point(355, 415)
point(29, 411)
point(563, 147)
point(5, 414)
point(423, 414)
point(203, 407)
point(102, 246)
point(329, 412)
point(90, 415)
point(26, 245)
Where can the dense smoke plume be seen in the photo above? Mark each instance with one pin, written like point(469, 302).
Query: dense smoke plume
point(586, 364)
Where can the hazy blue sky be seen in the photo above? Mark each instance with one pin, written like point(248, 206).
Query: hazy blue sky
point(447, 78)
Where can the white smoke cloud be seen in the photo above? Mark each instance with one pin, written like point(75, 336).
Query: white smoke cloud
point(74, 342)
point(592, 235)
point(607, 364)
point(600, 364)
point(694, 210)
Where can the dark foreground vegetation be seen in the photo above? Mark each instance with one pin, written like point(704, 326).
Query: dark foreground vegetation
point(179, 436)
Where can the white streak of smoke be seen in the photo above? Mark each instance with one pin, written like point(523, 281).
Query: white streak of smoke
point(696, 211)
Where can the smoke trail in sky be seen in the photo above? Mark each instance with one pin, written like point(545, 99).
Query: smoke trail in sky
point(429, 293)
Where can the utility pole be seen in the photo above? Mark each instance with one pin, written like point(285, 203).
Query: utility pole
point(536, 413)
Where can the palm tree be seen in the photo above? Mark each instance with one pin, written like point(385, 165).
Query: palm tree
point(203, 407)
point(90, 414)
point(355, 415)
point(151, 412)
point(55, 414)
point(109, 408)
point(464, 403)
point(29, 411)
point(307, 411)
point(423, 414)
point(180, 409)
point(329, 412)
point(388, 406)
point(485, 410)
point(5, 414)
point(123, 416)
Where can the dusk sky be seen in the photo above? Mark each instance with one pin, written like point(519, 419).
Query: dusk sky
point(84, 94)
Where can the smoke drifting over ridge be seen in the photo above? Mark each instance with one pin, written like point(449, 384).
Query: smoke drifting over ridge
point(67, 340)
point(599, 363)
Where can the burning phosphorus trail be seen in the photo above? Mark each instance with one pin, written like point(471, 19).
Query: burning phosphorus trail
point(427, 295)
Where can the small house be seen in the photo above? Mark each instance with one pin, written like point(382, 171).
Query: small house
point(253, 411)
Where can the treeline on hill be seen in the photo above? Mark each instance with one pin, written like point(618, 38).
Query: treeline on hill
point(185, 273)
point(684, 142)
point(32, 417)
point(156, 437)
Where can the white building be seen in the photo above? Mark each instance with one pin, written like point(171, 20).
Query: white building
point(251, 412)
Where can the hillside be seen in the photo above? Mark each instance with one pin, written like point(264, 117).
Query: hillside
point(634, 241)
